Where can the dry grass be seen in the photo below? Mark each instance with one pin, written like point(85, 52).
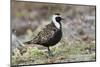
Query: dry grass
point(63, 52)
point(78, 41)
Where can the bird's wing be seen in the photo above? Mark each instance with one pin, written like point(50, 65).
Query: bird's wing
point(45, 35)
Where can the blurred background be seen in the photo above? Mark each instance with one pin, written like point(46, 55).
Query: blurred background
point(78, 41)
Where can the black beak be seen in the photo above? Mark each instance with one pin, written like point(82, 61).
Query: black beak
point(62, 18)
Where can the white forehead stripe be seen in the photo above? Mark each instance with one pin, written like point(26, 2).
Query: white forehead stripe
point(55, 22)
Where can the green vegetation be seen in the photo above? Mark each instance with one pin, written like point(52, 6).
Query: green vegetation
point(78, 41)
point(63, 52)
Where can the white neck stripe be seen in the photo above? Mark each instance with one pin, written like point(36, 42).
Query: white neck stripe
point(55, 22)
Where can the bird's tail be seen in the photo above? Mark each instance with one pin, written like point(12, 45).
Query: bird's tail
point(28, 42)
point(33, 41)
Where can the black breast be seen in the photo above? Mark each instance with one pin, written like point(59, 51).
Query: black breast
point(49, 36)
point(54, 40)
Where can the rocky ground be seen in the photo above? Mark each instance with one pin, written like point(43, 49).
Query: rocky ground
point(78, 41)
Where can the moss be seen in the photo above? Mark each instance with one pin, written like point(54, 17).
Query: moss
point(37, 53)
point(63, 52)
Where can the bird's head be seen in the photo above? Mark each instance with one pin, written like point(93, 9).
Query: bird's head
point(56, 18)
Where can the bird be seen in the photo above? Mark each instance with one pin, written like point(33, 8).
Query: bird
point(50, 35)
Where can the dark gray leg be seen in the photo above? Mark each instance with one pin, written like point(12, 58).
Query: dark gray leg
point(49, 52)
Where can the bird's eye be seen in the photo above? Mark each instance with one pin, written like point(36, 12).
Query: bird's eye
point(58, 19)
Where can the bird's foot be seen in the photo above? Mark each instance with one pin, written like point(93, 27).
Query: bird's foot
point(50, 54)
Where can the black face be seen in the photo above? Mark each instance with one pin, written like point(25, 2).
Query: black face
point(58, 19)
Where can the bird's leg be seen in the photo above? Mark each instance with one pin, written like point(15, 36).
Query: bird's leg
point(49, 52)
